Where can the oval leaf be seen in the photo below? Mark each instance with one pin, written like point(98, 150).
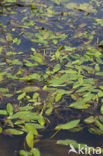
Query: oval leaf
point(9, 109)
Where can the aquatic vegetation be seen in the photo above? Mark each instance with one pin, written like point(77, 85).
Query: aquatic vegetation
point(51, 58)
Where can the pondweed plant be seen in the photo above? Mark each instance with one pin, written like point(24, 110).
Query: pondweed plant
point(23, 121)
point(51, 58)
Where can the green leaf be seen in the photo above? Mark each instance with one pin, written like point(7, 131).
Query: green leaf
point(21, 96)
point(30, 127)
point(24, 153)
point(67, 48)
point(68, 125)
point(34, 125)
point(4, 90)
point(35, 152)
point(60, 81)
point(97, 67)
point(30, 139)
point(67, 142)
point(0, 129)
point(37, 58)
point(89, 120)
point(56, 68)
point(3, 112)
point(13, 131)
point(80, 104)
point(76, 129)
point(9, 109)
point(14, 62)
point(33, 6)
point(26, 108)
point(99, 124)
point(101, 118)
point(32, 77)
point(99, 73)
point(71, 142)
point(58, 97)
point(25, 115)
point(17, 41)
point(101, 109)
point(41, 120)
point(95, 131)
point(49, 110)
point(29, 89)
point(9, 37)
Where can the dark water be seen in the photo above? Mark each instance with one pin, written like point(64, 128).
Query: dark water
point(10, 145)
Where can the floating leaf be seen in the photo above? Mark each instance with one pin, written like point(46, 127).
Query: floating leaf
point(37, 58)
point(35, 152)
point(4, 90)
point(67, 48)
point(97, 67)
point(82, 7)
point(80, 104)
point(58, 97)
point(3, 112)
point(41, 120)
point(99, 73)
point(25, 115)
point(56, 68)
point(9, 109)
point(26, 108)
point(30, 139)
point(23, 153)
point(30, 127)
point(21, 96)
point(99, 124)
point(76, 129)
point(89, 120)
point(101, 118)
point(71, 142)
point(30, 89)
point(102, 109)
point(13, 131)
point(0, 129)
point(68, 125)
point(67, 142)
point(49, 110)
point(95, 131)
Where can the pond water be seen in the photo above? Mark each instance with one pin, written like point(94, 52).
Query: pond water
point(51, 60)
